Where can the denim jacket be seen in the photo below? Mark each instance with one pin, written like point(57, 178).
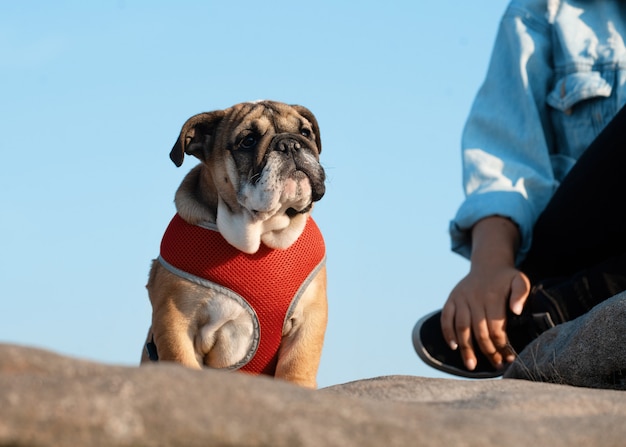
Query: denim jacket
point(557, 76)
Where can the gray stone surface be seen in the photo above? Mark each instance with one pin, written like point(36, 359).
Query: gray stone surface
point(589, 351)
point(51, 400)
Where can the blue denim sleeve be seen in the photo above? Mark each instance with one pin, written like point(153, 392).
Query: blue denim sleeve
point(506, 141)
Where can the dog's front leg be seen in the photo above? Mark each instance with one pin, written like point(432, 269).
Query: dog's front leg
point(173, 318)
point(173, 346)
point(303, 336)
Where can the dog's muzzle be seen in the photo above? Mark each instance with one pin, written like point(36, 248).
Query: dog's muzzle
point(305, 159)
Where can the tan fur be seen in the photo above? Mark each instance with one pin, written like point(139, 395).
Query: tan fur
point(199, 327)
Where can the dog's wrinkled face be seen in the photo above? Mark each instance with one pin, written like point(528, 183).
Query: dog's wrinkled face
point(275, 160)
point(262, 159)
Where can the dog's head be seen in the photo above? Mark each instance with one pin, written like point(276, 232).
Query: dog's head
point(261, 160)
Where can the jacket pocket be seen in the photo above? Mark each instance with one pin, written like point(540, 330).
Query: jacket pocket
point(577, 87)
point(581, 105)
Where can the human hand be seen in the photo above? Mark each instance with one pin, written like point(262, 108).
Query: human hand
point(477, 307)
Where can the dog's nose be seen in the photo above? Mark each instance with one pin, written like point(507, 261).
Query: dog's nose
point(288, 145)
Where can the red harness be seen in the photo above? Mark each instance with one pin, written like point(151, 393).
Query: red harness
point(270, 281)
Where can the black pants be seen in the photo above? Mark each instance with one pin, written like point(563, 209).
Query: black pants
point(581, 235)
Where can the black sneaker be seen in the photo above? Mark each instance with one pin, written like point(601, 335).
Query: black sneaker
point(541, 313)
point(432, 348)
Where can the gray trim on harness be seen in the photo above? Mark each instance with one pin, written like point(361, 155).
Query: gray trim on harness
point(208, 225)
point(302, 288)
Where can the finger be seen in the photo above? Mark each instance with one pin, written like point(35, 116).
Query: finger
point(520, 288)
point(483, 336)
point(508, 353)
point(447, 325)
point(499, 340)
point(462, 326)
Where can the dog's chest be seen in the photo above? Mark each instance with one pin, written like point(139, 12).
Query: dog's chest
point(269, 281)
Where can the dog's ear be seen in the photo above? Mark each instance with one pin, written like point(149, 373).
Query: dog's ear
point(196, 136)
point(311, 118)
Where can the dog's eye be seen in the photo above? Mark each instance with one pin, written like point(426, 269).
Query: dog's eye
point(306, 133)
point(248, 142)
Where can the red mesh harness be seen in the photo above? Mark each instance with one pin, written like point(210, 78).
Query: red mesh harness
point(270, 281)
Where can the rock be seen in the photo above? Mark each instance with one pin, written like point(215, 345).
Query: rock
point(51, 400)
point(588, 351)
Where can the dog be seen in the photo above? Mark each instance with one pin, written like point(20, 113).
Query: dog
point(240, 282)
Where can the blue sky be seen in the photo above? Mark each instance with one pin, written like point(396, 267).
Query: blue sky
point(93, 95)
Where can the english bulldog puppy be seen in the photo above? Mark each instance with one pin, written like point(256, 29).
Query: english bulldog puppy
point(240, 281)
